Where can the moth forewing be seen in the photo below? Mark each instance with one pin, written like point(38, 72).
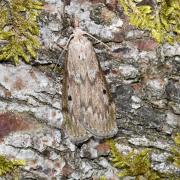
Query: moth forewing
point(89, 109)
point(74, 129)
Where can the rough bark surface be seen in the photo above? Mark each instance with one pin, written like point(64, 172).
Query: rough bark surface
point(144, 80)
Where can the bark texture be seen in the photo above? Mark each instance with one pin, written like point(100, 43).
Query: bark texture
point(144, 80)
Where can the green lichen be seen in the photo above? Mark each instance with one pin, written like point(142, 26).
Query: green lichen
point(161, 18)
point(133, 164)
point(175, 158)
point(10, 166)
point(19, 29)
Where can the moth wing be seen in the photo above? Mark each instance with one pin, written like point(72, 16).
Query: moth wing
point(71, 108)
point(98, 113)
point(89, 109)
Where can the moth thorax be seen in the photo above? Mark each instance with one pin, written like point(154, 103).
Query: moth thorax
point(78, 32)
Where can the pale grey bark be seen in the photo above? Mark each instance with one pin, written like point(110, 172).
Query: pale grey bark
point(144, 80)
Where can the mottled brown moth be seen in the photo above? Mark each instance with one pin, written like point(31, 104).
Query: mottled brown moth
point(88, 108)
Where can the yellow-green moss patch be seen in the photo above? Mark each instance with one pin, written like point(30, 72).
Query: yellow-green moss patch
point(175, 158)
point(102, 178)
point(133, 164)
point(161, 18)
point(10, 166)
point(19, 29)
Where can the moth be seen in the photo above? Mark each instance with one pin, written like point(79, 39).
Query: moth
point(88, 108)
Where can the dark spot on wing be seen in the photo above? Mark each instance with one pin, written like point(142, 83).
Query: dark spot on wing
point(69, 98)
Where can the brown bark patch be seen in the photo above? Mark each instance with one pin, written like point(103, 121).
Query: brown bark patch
point(19, 84)
point(137, 86)
point(11, 122)
point(112, 4)
point(67, 170)
point(97, 1)
point(7, 94)
point(118, 36)
point(146, 45)
point(103, 149)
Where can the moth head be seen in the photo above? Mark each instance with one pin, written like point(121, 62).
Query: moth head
point(78, 32)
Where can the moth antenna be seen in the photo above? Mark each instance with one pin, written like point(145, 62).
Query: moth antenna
point(64, 49)
point(98, 40)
